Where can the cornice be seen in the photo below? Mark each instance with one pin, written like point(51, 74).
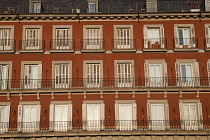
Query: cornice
point(102, 16)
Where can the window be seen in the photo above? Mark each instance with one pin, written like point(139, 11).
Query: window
point(155, 73)
point(62, 74)
point(187, 73)
point(4, 116)
point(28, 116)
point(154, 37)
point(32, 37)
point(151, 6)
point(62, 37)
point(158, 114)
point(6, 38)
point(124, 73)
point(208, 69)
point(4, 76)
point(35, 6)
point(125, 114)
point(93, 73)
point(32, 75)
point(92, 37)
point(60, 115)
point(93, 115)
point(184, 36)
point(123, 37)
point(92, 6)
point(190, 114)
point(207, 31)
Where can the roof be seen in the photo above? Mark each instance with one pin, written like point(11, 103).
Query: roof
point(104, 6)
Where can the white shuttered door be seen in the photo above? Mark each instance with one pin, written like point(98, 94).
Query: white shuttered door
point(61, 75)
point(123, 38)
point(125, 116)
point(92, 38)
point(62, 38)
point(93, 117)
point(157, 115)
point(93, 75)
point(124, 75)
point(4, 76)
point(61, 118)
point(32, 39)
point(5, 39)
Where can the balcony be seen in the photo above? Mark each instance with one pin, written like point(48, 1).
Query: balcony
point(93, 45)
point(31, 46)
point(207, 44)
point(186, 44)
point(101, 125)
point(124, 45)
point(7, 45)
point(106, 83)
point(155, 45)
point(62, 45)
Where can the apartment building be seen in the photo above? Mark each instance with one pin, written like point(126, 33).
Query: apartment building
point(104, 70)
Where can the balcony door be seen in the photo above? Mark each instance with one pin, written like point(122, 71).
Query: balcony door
point(123, 38)
point(32, 41)
point(93, 75)
point(184, 37)
point(93, 38)
point(154, 37)
point(125, 117)
point(61, 118)
point(62, 76)
point(32, 76)
point(93, 117)
point(62, 36)
point(124, 75)
point(4, 76)
point(157, 116)
point(5, 39)
point(155, 75)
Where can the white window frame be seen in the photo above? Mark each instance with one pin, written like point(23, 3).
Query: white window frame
point(93, 82)
point(155, 124)
point(4, 125)
point(60, 43)
point(28, 126)
point(191, 124)
point(37, 41)
point(60, 126)
point(5, 83)
point(126, 81)
point(95, 125)
point(35, 6)
point(192, 42)
point(208, 70)
point(9, 44)
point(59, 83)
point(126, 42)
point(207, 35)
point(31, 83)
point(155, 81)
point(190, 81)
point(126, 124)
point(158, 42)
point(95, 3)
point(95, 42)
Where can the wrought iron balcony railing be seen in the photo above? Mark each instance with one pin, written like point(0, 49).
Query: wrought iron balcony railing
point(74, 83)
point(124, 44)
point(155, 43)
point(62, 44)
point(31, 44)
point(103, 125)
point(7, 44)
point(93, 44)
point(185, 43)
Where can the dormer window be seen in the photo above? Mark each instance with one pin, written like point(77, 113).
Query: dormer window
point(35, 6)
point(93, 6)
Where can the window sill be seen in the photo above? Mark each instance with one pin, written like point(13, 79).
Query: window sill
point(62, 51)
point(207, 49)
point(7, 51)
point(155, 50)
point(186, 49)
point(124, 50)
point(93, 50)
point(31, 51)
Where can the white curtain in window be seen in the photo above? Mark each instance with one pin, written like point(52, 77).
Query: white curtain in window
point(93, 75)
point(61, 75)
point(5, 39)
point(92, 38)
